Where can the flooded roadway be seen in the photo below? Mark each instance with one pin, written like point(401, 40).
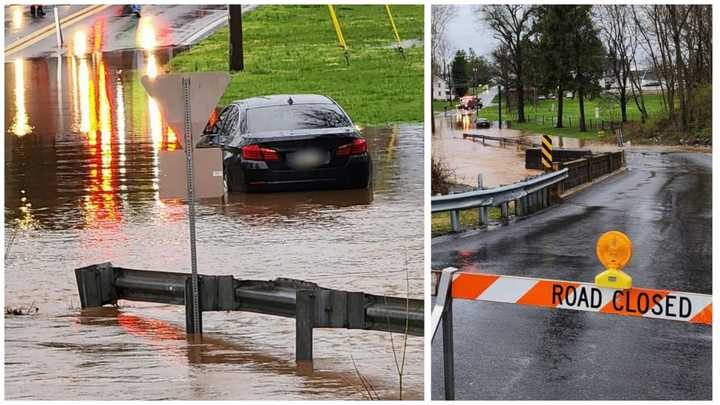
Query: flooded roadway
point(498, 163)
point(81, 171)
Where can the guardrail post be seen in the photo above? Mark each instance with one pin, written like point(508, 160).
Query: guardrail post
point(189, 308)
point(520, 206)
point(504, 211)
point(455, 220)
point(304, 319)
point(448, 347)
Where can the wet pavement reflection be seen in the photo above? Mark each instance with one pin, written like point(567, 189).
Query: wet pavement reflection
point(82, 140)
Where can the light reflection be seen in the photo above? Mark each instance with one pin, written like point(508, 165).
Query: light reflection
point(80, 43)
point(17, 17)
point(146, 38)
point(21, 126)
point(120, 121)
point(27, 220)
point(105, 132)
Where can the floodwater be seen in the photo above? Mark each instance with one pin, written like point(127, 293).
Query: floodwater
point(498, 164)
point(81, 185)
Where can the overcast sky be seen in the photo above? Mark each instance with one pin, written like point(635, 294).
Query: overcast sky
point(465, 31)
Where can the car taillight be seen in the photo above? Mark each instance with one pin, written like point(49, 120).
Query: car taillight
point(357, 147)
point(256, 152)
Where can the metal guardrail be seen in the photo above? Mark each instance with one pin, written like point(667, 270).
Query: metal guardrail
point(529, 196)
point(312, 306)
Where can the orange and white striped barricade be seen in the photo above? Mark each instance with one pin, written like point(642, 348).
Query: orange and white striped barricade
point(557, 294)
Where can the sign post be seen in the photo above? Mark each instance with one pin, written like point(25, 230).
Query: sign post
point(185, 102)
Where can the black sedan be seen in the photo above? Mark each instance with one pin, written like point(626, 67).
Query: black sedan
point(482, 123)
point(288, 143)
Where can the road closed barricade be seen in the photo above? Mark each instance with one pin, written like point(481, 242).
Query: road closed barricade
point(556, 294)
point(612, 293)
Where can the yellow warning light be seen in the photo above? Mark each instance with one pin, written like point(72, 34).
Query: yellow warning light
point(614, 249)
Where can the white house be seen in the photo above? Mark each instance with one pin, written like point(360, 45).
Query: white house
point(440, 90)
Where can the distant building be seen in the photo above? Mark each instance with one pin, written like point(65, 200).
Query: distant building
point(648, 81)
point(440, 90)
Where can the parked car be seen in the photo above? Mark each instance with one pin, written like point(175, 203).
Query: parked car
point(482, 123)
point(289, 142)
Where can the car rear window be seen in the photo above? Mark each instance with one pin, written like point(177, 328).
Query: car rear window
point(298, 116)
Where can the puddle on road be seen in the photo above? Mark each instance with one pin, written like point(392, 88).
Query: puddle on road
point(81, 186)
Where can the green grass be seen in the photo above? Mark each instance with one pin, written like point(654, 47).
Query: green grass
point(468, 220)
point(294, 49)
point(608, 109)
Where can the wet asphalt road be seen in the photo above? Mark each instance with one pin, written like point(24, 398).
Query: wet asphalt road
point(663, 202)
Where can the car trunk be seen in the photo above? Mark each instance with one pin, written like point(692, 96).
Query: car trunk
point(305, 149)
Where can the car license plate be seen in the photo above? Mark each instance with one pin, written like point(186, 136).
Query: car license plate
point(308, 159)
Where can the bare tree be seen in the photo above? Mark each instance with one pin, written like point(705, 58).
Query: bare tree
point(678, 40)
point(440, 17)
point(620, 44)
point(512, 24)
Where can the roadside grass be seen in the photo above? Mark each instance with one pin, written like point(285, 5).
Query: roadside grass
point(540, 116)
point(294, 49)
point(469, 219)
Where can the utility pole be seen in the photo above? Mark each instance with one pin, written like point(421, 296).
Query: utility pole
point(236, 38)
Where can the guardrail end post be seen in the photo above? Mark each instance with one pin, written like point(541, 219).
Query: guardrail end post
point(448, 346)
point(304, 319)
point(189, 324)
point(96, 285)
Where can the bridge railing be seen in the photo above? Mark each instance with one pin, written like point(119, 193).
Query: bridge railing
point(312, 306)
point(525, 197)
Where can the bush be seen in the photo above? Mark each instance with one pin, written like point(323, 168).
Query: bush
point(442, 177)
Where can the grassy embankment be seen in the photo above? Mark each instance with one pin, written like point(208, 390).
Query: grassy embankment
point(608, 109)
point(294, 49)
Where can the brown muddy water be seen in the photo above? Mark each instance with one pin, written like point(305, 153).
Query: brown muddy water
point(81, 187)
point(498, 164)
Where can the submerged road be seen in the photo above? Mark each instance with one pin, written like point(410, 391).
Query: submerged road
point(664, 203)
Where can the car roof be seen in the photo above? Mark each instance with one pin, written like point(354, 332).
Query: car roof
point(282, 99)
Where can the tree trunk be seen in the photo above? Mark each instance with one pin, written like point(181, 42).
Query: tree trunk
point(581, 100)
point(520, 102)
point(681, 83)
point(623, 102)
point(560, 108)
point(432, 105)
